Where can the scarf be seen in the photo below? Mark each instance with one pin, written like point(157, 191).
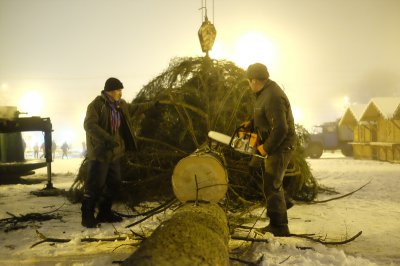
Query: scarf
point(115, 114)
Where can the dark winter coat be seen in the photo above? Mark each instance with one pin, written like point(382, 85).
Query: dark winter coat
point(273, 118)
point(102, 144)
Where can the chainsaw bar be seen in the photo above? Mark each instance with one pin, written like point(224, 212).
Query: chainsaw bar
point(233, 143)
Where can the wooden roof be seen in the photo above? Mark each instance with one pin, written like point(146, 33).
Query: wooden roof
point(397, 113)
point(352, 115)
point(380, 107)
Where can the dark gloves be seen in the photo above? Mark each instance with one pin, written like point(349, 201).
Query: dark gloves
point(111, 144)
point(261, 150)
point(248, 125)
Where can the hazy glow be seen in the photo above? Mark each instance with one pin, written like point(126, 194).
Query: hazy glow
point(32, 138)
point(346, 101)
point(65, 135)
point(246, 49)
point(32, 103)
point(297, 115)
point(218, 51)
point(340, 104)
point(81, 132)
point(314, 56)
point(254, 47)
point(82, 118)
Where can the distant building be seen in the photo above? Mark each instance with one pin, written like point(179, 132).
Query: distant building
point(376, 129)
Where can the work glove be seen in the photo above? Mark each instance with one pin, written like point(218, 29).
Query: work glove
point(246, 124)
point(262, 151)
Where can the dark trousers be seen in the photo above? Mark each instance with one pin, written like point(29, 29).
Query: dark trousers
point(275, 166)
point(103, 180)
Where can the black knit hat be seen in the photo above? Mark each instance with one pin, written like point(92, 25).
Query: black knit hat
point(257, 71)
point(113, 84)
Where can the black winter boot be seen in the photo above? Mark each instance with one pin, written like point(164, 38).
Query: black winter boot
point(278, 224)
point(106, 215)
point(88, 206)
point(277, 230)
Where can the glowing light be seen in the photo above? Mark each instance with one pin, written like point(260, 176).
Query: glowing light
point(254, 47)
point(32, 103)
point(346, 101)
point(297, 115)
point(218, 52)
point(66, 135)
point(33, 138)
point(82, 118)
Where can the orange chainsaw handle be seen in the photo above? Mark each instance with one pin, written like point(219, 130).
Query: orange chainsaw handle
point(255, 142)
point(235, 133)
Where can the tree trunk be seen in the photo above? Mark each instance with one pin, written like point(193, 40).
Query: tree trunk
point(194, 235)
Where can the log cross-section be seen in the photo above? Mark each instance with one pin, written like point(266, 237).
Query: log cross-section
point(202, 176)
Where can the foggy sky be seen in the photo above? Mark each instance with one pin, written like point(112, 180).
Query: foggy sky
point(66, 49)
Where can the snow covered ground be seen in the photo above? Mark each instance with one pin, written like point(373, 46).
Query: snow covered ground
point(374, 210)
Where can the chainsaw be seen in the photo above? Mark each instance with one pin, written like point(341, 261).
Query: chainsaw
point(242, 140)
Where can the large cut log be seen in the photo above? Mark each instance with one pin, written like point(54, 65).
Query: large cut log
point(202, 176)
point(197, 233)
point(194, 235)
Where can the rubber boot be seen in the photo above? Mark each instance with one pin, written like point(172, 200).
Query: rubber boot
point(88, 206)
point(106, 215)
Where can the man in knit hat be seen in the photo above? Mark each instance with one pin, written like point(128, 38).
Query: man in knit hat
point(109, 133)
point(273, 120)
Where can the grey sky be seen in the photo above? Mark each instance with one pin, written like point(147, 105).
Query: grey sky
point(325, 49)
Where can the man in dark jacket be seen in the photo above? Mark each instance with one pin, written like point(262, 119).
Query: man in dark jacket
point(273, 120)
point(109, 133)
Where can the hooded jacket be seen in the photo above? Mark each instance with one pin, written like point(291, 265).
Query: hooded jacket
point(273, 118)
point(102, 144)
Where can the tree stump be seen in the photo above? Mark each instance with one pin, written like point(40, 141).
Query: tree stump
point(194, 235)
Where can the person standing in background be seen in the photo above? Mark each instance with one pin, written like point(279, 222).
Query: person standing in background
point(64, 149)
point(43, 151)
point(36, 151)
point(53, 149)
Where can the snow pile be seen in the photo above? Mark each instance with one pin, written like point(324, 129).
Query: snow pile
point(277, 253)
point(373, 210)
